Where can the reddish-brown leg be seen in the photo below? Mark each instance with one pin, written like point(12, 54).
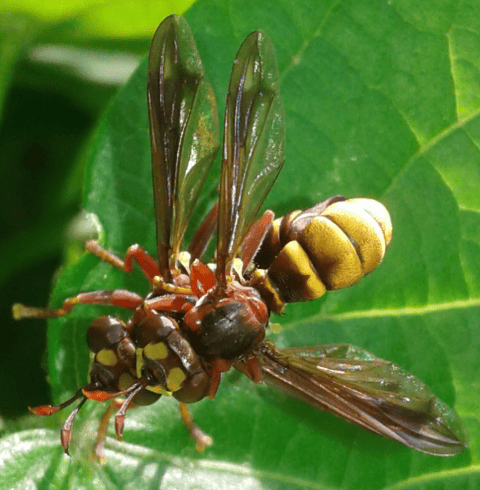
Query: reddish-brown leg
point(146, 262)
point(98, 450)
point(121, 405)
point(118, 297)
point(204, 234)
point(160, 286)
point(202, 440)
point(215, 378)
point(202, 278)
point(99, 447)
point(255, 237)
point(169, 302)
point(253, 369)
point(44, 410)
point(66, 432)
point(218, 366)
point(103, 396)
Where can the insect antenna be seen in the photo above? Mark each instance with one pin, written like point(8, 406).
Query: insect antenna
point(51, 409)
point(66, 432)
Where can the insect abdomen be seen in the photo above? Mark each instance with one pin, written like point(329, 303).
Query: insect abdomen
point(330, 246)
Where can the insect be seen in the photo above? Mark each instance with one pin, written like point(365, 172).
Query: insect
point(199, 320)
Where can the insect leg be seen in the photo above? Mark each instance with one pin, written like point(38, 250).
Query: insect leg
point(66, 432)
point(102, 432)
point(146, 262)
point(218, 366)
point(117, 297)
point(255, 237)
point(51, 409)
point(160, 286)
point(201, 278)
point(202, 440)
point(169, 302)
point(253, 369)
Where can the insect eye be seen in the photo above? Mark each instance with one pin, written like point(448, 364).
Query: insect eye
point(101, 378)
point(154, 373)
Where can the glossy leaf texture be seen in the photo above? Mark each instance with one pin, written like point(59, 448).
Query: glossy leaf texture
point(184, 131)
point(253, 143)
point(61, 31)
point(380, 101)
point(61, 64)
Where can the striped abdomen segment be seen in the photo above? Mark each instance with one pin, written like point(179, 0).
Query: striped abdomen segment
point(329, 246)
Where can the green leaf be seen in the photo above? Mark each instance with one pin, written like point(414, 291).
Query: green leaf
point(15, 33)
point(62, 62)
point(382, 101)
point(89, 17)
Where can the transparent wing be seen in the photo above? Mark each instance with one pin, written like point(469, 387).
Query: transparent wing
point(253, 146)
point(184, 132)
point(368, 391)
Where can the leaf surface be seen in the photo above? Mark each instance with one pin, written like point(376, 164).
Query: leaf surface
point(382, 100)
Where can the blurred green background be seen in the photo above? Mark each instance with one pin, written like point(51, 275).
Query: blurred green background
point(60, 64)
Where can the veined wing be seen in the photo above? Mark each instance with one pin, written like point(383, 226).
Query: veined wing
point(253, 145)
point(368, 391)
point(184, 132)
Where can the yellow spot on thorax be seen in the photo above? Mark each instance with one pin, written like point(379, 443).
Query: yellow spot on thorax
point(152, 351)
point(159, 389)
point(175, 379)
point(156, 351)
point(107, 357)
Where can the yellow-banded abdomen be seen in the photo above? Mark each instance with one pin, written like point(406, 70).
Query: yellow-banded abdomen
point(329, 246)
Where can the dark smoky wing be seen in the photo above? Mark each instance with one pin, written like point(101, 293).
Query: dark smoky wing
point(368, 391)
point(184, 131)
point(253, 146)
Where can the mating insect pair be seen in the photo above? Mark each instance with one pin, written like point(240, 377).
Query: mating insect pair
point(199, 321)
